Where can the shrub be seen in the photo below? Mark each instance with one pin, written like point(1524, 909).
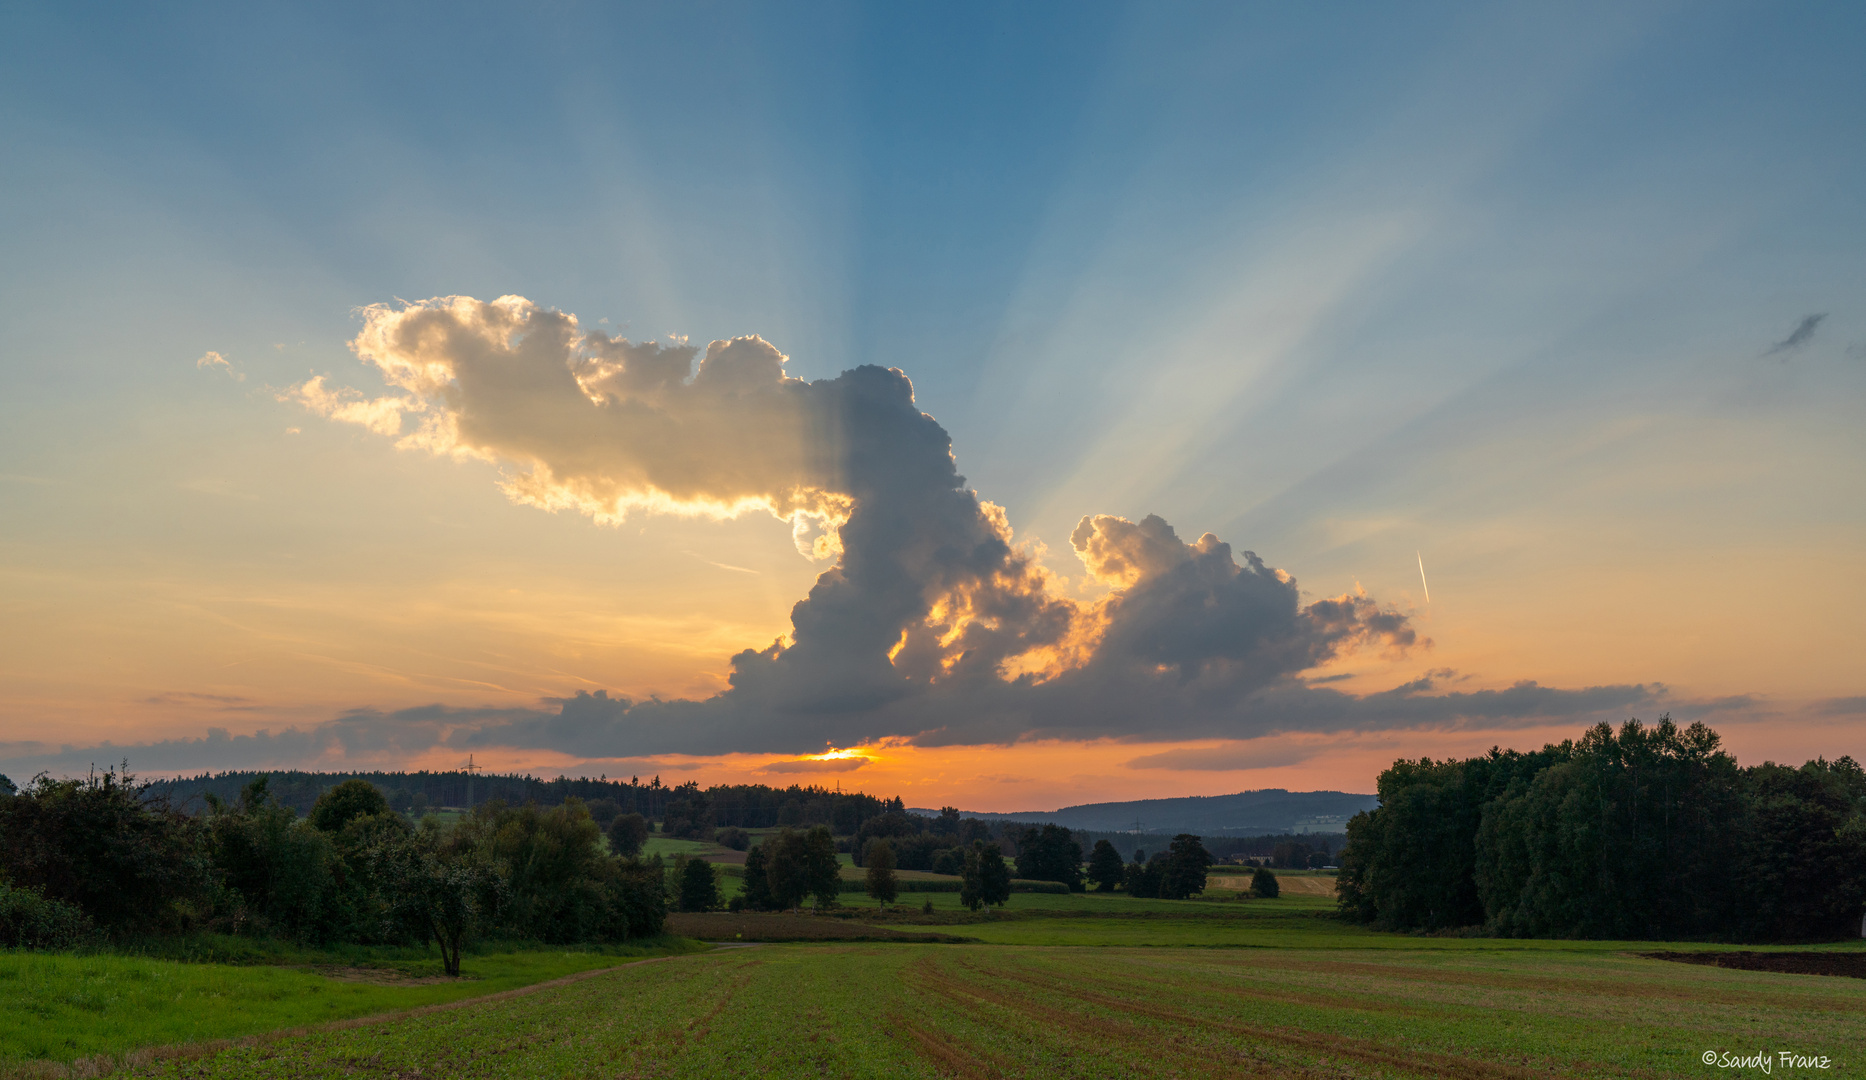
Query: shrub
point(30, 920)
point(1263, 884)
point(733, 837)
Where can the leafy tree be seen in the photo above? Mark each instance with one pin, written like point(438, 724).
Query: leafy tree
point(822, 870)
point(604, 812)
point(1263, 884)
point(1143, 879)
point(128, 862)
point(1290, 855)
point(880, 872)
point(733, 837)
point(7, 789)
point(994, 874)
point(1186, 863)
point(948, 861)
point(699, 887)
point(553, 867)
point(786, 869)
point(1806, 860)
point(350, 799)
point(972, 878)
point(1050, 854)
point(756, 887)
point(446, 886)
point(627, 834)
point(1104, 867)
point(278, 875)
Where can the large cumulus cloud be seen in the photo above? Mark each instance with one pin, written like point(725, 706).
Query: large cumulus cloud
point(928, 623)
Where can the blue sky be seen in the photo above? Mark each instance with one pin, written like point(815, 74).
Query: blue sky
point(1492, 286)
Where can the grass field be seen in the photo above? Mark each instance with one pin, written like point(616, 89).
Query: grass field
point(982, 1011)
point(1087, 985)
point(58, 1006)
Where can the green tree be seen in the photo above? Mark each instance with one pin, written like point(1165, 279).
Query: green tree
point(445, 885)
point(1143, 879)
point(971, 878)
point(278, 875)
point(350, 799)
point(1263, 884)
point(627, 834)
point(756, 888)
point(1050, 854)
point(786, 869)
point(1104, 867)
point(994, 874)
point(1186, 864)
point(699, 887)
point(822, 870)
point(880, 872)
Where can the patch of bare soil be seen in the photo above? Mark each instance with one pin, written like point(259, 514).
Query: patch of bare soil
point(377, 976)
point(782, 926)
point(1850, 965)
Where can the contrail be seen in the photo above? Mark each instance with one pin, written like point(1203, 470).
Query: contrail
point(1428, 588)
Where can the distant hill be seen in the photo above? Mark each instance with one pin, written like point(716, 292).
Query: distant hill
point(1247, 813)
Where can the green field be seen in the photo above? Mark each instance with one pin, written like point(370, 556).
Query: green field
point(60, 1006)
point(1083, 985)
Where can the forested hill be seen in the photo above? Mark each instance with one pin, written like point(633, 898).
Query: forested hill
point(1271, 810)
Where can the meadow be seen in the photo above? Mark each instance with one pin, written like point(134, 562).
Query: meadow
point(1053, 986)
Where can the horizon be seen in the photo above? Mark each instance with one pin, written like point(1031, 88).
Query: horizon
point(1072, 412)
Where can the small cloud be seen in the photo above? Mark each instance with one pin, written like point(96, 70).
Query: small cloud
point(211, 360)
point(1801, 335)
point(1232, 758)
point(816, 765)
point(722, 566)
point(1842, 706)
point(279, 345)
point(292, 431)
point(192, 699)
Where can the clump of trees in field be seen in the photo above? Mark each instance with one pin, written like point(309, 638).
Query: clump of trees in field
point(1647, 832)
point(102, 856)
point(1177, 873)
point(789, 868)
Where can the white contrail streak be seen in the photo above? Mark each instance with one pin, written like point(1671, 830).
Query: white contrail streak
point(1428, 588)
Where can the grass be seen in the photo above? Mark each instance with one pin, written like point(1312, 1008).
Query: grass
point(60, 1006)
point(1064, 986)
point(929, 1011)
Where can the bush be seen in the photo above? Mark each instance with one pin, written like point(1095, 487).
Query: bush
point(128, 862)
point(1263, 884)
point(733, 837)
point(30, 920)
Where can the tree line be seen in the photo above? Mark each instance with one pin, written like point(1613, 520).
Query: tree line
point(688, 810)
point(104, 857)
point(1648, 832)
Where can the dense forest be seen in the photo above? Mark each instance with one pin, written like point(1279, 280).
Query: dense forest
point(1648, 832)
point(748, 806)
point(106, 857)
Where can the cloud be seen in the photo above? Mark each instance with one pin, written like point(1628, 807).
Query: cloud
point(816, 765)
point(929, 623)
point(1801, 335)
point(1226, 758)
point(212, 360)
point(1844, 706)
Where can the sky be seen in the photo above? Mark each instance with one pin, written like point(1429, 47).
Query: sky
point(1003, 406)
